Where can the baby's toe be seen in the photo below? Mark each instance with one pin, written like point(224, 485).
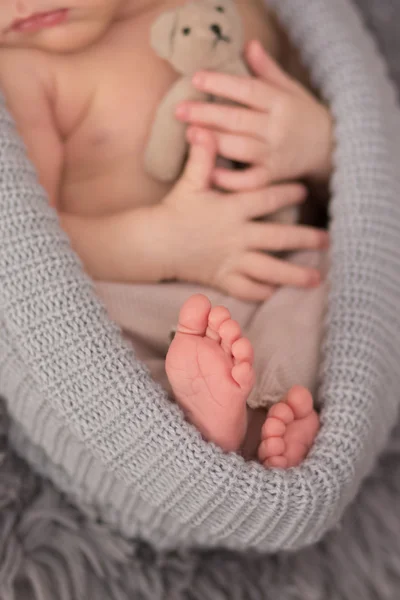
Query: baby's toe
point(300, 401)
point(217, 316)
point(230, 332)
point(282, 411)
point(244, 376)
point(242, 351)
point(271, 447)
point(273, 427)
point(276, 462)
point(193, 316)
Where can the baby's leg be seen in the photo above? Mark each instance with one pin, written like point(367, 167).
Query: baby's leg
point(287, 332)
point(209, 366)
point(149, 312)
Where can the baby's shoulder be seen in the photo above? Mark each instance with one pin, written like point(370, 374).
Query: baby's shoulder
point(22, 68)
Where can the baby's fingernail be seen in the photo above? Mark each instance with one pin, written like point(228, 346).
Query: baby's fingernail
point(325, 240)
point(255, 47)
point(196, 136)
point(315, 278)
point(198, 80)
point(181, 111)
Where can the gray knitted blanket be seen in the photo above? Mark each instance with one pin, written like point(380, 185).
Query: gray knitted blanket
point(86, 413)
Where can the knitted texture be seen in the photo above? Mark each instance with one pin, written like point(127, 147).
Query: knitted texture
point(381, 16)
point(49, 551)
point(88, 415)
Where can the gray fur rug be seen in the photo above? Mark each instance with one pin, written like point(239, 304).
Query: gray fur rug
point(49, 551)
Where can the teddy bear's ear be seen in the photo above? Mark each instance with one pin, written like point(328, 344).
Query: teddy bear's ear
point(162, 33)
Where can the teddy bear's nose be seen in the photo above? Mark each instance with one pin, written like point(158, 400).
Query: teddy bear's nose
point(216, 29)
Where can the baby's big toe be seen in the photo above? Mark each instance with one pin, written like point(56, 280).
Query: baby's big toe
point(300, 401)
point(193, 316)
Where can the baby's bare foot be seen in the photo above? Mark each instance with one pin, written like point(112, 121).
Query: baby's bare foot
point(209, 366)
point(289, 430)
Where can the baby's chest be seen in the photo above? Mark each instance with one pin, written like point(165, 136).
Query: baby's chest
point(108, 98)
point(117, 114)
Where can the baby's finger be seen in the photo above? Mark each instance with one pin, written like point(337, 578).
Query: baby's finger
point(263, 65)
point(276, 272)
point(241, 148)
point(269, 200)
point(274, 237)
point(239, 181)
point(202, 155)
point(249, 91)
point(222, 117)
point(241, 287)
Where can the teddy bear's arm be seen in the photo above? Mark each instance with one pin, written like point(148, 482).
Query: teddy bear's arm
point(167, 146)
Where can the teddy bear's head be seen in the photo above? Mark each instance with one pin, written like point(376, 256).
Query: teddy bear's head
point(201, 34)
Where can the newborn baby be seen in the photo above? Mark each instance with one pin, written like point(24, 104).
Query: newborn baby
point(83, 85)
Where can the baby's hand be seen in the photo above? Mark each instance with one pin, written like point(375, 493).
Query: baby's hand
point(281, 130)
point(214, 240)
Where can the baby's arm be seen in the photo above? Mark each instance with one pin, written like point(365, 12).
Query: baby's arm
point(195, 234)
point(109, 247)
point(27, 89)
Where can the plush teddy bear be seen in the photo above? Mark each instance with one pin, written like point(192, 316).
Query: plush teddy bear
point(201, 34)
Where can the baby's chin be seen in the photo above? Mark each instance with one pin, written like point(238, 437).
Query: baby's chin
point(68, 38)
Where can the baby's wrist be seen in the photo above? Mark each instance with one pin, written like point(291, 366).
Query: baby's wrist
point(162, 234)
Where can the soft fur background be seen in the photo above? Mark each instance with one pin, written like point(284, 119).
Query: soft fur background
point(48, 550)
